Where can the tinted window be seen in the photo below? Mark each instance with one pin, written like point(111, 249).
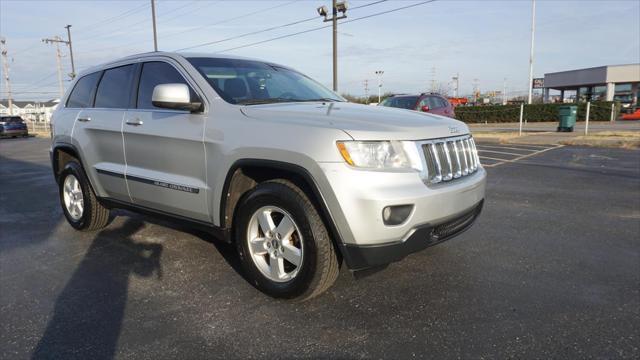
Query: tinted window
point(11, 119)
point(404, 102)
point(443, 102)
point(114, 90)
point(156, 73)
point(83, 91)
point(434, 102)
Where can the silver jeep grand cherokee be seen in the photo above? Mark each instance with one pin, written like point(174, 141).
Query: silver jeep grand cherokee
point(266, 158)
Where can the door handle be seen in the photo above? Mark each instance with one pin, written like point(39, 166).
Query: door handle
point(134, 122)
point(84, 119)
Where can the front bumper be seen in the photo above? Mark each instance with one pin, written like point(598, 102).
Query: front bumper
point(361, 197)
point(363, 257)
point(14, 132)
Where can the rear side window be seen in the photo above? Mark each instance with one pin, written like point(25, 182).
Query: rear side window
point(156, 73)
point(404, 102)
point(434, 102)
point(114, 90)
point(82, 93)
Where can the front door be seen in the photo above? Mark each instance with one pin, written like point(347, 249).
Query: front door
point(165, 153)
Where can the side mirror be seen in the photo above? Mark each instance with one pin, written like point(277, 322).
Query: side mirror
point(175, 97)
point(424, 108)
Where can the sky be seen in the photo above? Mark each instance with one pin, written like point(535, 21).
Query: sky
point(485, 42)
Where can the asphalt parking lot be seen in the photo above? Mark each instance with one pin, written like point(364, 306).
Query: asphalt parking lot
point(550, 270)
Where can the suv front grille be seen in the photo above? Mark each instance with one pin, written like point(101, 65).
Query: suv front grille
point(450, 158)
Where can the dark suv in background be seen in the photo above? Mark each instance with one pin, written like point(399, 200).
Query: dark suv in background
point(431, 103)
point(13, 126)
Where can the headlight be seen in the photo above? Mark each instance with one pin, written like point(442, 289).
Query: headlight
point(381, 154)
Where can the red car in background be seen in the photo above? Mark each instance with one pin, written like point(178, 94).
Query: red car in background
point(635, 115)
point(431, 103)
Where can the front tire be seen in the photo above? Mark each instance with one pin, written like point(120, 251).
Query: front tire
point(282, 242)
point(79, 203)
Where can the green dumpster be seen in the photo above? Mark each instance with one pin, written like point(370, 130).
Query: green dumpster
point(567, 115)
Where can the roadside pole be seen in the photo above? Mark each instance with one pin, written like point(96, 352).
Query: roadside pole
point(521, 115)
point(613, 111)
point(586, 119)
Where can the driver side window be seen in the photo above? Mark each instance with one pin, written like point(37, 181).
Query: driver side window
point(156, 73)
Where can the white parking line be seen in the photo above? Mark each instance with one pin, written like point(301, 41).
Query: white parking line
point(521, 157)
point(499, 152)
point(481, 147)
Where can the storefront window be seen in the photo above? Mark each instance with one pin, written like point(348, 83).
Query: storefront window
point(599, 93)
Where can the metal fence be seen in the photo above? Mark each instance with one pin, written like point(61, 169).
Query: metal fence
point(38, 127)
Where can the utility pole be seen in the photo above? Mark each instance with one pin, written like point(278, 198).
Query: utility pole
point(57, 40)
point(323, 11)
point(5, 69)
point(73, 66)
point(379, 73)
point(533, 32)
point(456, 79)
point(433, 79)
point(504, 92)
point(476, 90)
point(153, 19)
point(366, 89)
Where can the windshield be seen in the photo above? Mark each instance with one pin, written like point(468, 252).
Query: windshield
point(248, 82)
point(404, 102)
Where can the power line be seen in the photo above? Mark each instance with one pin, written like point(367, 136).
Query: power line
point(326, 26)
point(29, 85)
point(230, 19)
point(176, 8)
point(111, 20)
point(189, 11)
point(270, 28)
point(249, 34)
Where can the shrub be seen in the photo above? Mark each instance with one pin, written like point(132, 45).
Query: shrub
point(600, 111)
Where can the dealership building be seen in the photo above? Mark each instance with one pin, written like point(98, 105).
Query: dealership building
point(602, 83)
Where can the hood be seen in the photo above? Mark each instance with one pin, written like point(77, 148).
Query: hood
point(362, 122)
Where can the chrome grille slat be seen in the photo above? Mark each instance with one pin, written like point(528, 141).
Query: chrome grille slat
point(447, 174)
point(450, 158)
point(465, 156)
point(457, 165)
point(469, 154)
point(437, 176)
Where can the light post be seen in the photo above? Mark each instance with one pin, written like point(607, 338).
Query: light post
point(73, 66)
point(379, 73)
point(533, 33)
point(324, 12)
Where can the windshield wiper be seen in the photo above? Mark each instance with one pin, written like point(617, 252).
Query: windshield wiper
point(281, 100)
point(266, 101)
point(322, 99)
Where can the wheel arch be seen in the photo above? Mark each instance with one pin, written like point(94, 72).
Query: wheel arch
point(245, 174)
point(60, 155)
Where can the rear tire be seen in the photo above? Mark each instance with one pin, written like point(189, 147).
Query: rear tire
point(79, 203)
point(318, 265)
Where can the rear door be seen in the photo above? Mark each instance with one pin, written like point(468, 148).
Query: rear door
point(98, 132)
point(165, 153)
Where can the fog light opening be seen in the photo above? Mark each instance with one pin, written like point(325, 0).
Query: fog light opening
point(396, 215)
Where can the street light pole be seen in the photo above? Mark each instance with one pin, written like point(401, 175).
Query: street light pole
point(153, 20)
point(73, 66)
point(533, 32)
point(379, 73)
point(323, 11)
